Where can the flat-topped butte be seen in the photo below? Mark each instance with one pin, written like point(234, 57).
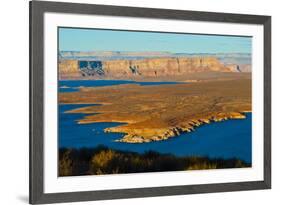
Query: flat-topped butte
point(154, 113)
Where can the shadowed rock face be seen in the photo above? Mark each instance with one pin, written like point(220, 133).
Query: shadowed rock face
point(150, 67)
point(154, 113)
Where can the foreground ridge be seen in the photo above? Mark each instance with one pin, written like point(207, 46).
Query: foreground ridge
point(103, 160)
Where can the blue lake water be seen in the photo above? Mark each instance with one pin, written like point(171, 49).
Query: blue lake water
point(73, 85)
point(227, 139)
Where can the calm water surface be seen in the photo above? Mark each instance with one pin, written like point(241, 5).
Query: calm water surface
point(73, 85)
point(227, 139)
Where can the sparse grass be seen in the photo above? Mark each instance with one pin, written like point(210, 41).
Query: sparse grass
point(102, 160)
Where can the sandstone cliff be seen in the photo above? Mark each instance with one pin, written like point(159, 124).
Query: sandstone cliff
point(245, 68)
point(150, 67)
point(69, 69)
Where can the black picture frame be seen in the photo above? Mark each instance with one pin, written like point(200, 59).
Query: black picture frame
point(37, 10)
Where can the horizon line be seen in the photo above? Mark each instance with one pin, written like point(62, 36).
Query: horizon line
point(155, 52)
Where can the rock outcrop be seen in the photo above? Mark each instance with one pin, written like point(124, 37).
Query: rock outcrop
point(245, 68)
point(150, 67)
point(149, 135)
point(69, 69)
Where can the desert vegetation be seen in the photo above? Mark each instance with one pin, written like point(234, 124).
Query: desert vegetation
point(103, 160)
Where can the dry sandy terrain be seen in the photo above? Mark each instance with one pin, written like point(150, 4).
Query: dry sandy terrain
point(154, 113)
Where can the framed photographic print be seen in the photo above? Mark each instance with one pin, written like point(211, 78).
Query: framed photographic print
point(138, 102)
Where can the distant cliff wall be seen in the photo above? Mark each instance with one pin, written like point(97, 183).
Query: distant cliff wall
point(150, 67)
point(245, 68)
point(69, 69)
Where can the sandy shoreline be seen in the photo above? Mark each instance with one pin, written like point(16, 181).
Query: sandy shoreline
point(155, 113)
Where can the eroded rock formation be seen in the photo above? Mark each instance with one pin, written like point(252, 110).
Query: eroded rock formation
point(150, 67)
point(69, 69)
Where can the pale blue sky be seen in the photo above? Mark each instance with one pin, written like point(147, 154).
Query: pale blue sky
point(109, 40)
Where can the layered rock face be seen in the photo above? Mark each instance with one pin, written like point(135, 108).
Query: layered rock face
point(69, 69)
point(162, 66)
point(150, 67)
